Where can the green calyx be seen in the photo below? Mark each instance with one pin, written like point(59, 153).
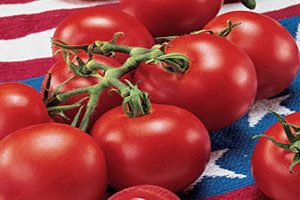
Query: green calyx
point(293, 138)
point(136, 103)
point(173, 62)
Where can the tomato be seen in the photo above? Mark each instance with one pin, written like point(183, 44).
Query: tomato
point(91, 24)
point(148, 192)
point(169, 147)
point(167, 17)
point(61, 72)
point(219, 86)
point(231, 1)
point(20, 106)
point(270, 46)
point(270, 164)
point(51, 161)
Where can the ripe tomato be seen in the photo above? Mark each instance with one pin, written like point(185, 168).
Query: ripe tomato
point(51, 161)
point(269, 45)
point(270, 164)
point(231, 1)
point(166, 17)
point(61, 72)
point(20, 106)
point(148, 192)
point(89, 25)
point(169, 147)
point(219, 86)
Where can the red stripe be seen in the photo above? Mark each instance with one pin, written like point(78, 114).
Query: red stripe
point(21, 25)
point(246, 193)
point(284, 13)
point(12, 71)
point(14, 1)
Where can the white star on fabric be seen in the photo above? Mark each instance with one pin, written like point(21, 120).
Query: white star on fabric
point(213, 170)
point(260, 109)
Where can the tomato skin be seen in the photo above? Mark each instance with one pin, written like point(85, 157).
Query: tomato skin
point(275, 57)
point(158, 15)
point(89, 25)
point(231, 1)
point(20, 106)
point(219, 86)
point(148, 192)
point(169, 147)
point(61, 72)
point(51, 161)
point(270, 164)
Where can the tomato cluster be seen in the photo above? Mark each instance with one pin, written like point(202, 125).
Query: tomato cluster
point(196, 82)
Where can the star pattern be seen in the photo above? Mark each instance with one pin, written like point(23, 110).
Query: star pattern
point(214, 170)
point(260, 109)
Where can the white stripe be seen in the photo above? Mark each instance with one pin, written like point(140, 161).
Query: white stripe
point(36, 45)
point(262, 5)
point(46, 5)
point(298, 37)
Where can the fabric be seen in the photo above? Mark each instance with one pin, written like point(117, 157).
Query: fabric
point(25, 56)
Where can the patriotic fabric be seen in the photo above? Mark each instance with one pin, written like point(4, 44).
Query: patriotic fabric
point(25, 56)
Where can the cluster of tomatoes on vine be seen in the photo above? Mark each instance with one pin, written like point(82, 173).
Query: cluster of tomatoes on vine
point(109, 68)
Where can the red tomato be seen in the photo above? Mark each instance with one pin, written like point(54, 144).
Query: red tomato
point(89, 25)
point(51, 161)
point(167, 17)
point(219, 86)
point(270, 164)
point(61, 72)
point(169, 147)
point(147, 192)
point(20, 106)
point(270, 46)
point(231, 1)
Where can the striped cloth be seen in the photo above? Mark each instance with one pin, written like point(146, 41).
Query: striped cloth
point(25, 56)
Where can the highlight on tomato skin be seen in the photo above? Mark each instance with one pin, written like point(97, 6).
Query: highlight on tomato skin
point(275, 57)
point(147, 192)
point(169, 147)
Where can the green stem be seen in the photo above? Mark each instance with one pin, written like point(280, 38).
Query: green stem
point(295, 147)
point(93, 66)
point(64, 96)
point(134, 99)
point(225, 32)
point(103, 47)
point(63, 45)
point(67, 107)
point(91, 105)
point(122, 88)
